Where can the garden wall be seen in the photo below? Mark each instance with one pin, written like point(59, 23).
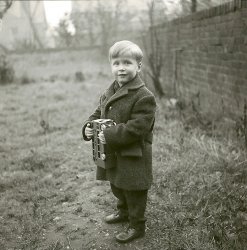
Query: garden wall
point(205, 57)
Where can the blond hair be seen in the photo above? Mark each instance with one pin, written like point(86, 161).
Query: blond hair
point(125, 48)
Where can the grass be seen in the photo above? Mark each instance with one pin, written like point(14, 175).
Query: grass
point(200, 189)
point(49, 198)
point(24, 212)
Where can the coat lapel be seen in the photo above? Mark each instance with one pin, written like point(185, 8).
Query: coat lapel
point(110, 91)
point(136, 83)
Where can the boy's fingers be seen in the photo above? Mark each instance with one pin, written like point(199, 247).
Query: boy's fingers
point(102, 138)
point(103, 141)
point(89, 131)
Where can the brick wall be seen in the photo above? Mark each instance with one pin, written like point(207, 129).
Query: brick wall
point(206, 56)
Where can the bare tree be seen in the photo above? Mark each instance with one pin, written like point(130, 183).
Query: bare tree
point(99, 23)
point(154, 50)
point(64, 35)
point(109, 16)
point(90, 19)
point(191, 6)
point(4, 6)
point(86, 25)
point(6, 69)
point(152, 42)
point(30, 15)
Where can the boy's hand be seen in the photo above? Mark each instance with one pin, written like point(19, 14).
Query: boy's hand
point(102, 137)
point(89, 132)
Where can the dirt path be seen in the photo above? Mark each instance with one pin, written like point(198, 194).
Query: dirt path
point(80, 225)
point(78, 222)
point(56, 163)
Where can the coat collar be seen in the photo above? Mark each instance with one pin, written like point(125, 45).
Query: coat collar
point(135, 83)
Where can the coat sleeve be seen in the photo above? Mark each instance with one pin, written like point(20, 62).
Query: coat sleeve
point(95, 115)
point(140, 123)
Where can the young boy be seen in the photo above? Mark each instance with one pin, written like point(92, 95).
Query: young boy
point(129, 158)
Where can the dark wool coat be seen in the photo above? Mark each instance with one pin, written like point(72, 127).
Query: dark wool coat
point(129, 143)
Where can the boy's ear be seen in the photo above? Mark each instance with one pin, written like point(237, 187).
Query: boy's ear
point(139, 66)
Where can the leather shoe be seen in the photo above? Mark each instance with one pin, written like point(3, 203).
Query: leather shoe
point(115, 218)
point(129, 235)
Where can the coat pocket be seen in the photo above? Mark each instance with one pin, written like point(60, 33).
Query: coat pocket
point(132, 150)
point(111, 161)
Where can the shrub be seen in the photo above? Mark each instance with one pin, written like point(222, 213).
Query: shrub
point(24, 45)
point(7, 72)
point(79, 76)
point(25, 79)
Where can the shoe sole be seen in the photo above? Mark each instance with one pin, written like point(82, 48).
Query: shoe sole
point(130, 239)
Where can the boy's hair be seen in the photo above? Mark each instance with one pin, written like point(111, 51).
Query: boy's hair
point(125, 48)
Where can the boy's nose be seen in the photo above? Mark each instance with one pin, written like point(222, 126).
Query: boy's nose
point(121, 67)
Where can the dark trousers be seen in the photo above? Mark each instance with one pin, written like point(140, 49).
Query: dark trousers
point(132, 204)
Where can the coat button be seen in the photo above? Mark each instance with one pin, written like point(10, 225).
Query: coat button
point(110, 108)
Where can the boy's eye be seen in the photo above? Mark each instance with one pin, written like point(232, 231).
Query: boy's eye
point(127, 62)
point(115, 63)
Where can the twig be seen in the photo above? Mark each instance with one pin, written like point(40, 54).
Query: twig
point(245, 123)
point(67, 237)
point(240, 163)
point(55, 245)
point(89, 242)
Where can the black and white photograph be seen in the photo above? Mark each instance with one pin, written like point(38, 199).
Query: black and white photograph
point(123, 125)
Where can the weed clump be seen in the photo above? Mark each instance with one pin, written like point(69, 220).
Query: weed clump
point(79, 76)
point(36, 162)
point(7, 72)
point(25, 79)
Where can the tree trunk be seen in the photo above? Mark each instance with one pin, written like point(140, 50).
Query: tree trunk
point(158, 88)
point(193, 6)
point(7, 4)
point(32, 25)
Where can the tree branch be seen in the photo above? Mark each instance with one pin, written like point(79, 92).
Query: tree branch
point(7, 4)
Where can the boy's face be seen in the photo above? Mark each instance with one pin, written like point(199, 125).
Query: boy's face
point(124, 69)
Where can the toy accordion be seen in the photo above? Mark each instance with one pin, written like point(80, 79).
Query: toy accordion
point(99, 149)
